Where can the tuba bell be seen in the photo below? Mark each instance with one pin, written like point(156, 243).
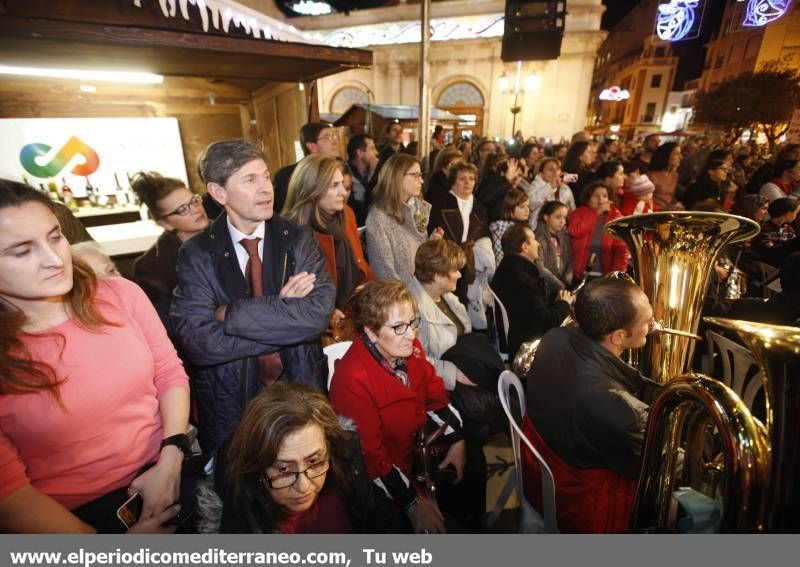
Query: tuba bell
point(673, 254)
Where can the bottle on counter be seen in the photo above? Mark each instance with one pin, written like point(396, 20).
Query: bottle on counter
point(52, 188)
point(90, 195)
point(68, 195)
point(122, 196)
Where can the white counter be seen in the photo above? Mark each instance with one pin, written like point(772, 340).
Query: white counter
point(84, 212)
point(126, 238)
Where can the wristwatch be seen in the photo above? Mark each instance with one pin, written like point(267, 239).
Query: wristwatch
point(181, 441)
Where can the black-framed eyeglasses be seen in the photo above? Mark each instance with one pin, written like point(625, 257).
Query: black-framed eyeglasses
point(402, 328)
point(285, 480)
point(184, 209)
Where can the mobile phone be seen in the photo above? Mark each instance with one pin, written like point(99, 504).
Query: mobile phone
point(130, 510)
point(570, 177)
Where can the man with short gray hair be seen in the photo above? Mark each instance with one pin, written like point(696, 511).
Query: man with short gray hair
point(253, 295)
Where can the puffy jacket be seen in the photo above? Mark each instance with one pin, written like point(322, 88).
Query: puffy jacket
point(614, 253)
point(224, 354)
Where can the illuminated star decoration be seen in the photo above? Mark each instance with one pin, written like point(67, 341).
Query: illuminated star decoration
point(762, 12)
point(676, 19)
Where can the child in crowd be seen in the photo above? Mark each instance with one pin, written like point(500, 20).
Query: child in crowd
point(637, 194)
point(516, 208)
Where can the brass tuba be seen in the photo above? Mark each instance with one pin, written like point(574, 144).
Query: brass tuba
point(776, 350)
point(673, 254)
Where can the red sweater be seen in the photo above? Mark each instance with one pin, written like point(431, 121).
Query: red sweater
point(387, 413)
point(614, 253)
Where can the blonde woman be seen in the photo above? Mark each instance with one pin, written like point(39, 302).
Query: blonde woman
point(398, 218)
point(317, 197)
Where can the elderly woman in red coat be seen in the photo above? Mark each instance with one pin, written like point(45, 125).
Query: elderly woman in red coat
point(587, 229)
point(387, 386)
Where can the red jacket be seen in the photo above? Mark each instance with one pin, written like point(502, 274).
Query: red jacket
point(387, 413)
point(614, 254)
point(326, 246)
point(587, 500)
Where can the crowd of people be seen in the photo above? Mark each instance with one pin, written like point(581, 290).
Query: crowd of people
point(224, 322)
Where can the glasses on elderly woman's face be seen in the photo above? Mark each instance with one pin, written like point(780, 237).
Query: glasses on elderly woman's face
point(285, 480)
point(402, 328)
point(186, 208)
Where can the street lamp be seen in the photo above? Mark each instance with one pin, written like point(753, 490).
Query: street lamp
point(532, 83)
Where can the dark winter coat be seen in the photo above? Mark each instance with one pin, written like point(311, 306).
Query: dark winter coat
point(224, 354)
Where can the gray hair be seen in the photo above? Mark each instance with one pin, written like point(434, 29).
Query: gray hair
point(222, 159)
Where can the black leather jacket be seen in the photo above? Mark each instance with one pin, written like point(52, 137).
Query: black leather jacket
point(588, 405)
point(224, 354)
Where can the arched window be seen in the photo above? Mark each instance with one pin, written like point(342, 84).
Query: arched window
point(460, 94)
point(345, 98)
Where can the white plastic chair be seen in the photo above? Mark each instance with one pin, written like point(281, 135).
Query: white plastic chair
point(531, 521)
point(504, 320)
point(334, 352)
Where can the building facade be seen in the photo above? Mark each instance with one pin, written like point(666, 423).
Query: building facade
point(631, 92)
point(465, 65)
point(737, 48)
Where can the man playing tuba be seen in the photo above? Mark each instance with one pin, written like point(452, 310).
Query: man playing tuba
point(587, 408)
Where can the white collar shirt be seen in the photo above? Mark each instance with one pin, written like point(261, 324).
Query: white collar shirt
point(237, 235)
point(465, 208)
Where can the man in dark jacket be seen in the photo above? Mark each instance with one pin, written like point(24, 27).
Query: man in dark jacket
point(588, 405)
point(523, 291)
point(237, 339)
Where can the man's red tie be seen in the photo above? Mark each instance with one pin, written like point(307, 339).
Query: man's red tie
point(271, 365)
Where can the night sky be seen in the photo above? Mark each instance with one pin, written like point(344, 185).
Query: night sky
point(615, 10)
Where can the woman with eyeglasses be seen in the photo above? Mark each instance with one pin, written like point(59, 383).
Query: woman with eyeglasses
point(291, 467)
point(708, 186)
point(387, 386)
point(180, 213)
point(397, 221)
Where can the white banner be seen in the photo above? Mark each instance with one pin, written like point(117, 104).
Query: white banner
point(71, 150)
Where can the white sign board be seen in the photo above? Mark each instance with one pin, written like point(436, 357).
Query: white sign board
point(74, 149)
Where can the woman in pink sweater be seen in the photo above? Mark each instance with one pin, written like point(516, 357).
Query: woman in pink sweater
point(89, 386)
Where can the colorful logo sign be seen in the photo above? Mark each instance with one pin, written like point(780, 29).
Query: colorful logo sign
point(762, 12)
point(615, 93)
point(29, 155)
point(678, 18)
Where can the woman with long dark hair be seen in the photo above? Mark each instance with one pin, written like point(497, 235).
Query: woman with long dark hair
point(578, 165)
point(94, 402)
point(292, 468)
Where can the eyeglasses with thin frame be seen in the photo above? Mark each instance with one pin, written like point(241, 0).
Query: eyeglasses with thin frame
point(414, 174)
point(330, 137)
point(184, 209)
point(286, 480)
point(402, 328)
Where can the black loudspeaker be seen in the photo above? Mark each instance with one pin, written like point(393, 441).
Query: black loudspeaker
point(533, 29)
